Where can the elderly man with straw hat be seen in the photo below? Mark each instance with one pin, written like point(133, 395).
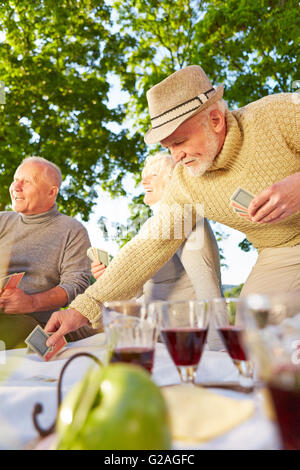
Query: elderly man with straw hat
point(216, 150)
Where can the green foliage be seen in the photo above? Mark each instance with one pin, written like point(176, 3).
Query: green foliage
point(245, 245)
point(56, 60)
point(251, 47)
point(234, 292)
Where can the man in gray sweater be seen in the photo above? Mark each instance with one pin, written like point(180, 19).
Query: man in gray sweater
point(48, 246)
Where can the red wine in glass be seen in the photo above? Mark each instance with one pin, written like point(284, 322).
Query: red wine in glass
point(134, 355)
point(232, 340)
point(185, 345)
point(287, 407)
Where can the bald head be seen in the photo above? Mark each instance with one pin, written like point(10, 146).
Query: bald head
point(49, 170)
point(35, 186)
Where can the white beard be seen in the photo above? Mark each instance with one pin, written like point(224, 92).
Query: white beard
point(201, 166)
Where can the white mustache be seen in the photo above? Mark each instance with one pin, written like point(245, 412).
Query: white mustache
point(187, 160)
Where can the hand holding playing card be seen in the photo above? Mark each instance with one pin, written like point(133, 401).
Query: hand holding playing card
point(15, 301)
point(63, 322)
point(277, 202)
point(36, 342)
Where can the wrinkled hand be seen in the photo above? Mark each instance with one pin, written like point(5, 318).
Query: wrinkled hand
point(276, 202)
point(15, 301)
point(63, 322)
point(97, 269)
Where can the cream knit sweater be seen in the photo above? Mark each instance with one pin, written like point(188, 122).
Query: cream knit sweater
point(262, 146)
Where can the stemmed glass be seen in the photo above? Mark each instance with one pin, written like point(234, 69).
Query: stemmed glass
point(230, 326)
point(130, 332)
point(274, 346)
point(183, 328)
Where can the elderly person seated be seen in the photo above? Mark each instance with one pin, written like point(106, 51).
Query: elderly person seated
point(194, 270)
point(48, 246)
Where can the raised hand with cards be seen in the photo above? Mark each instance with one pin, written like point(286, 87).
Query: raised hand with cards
point(100, 260)
point(101, 256)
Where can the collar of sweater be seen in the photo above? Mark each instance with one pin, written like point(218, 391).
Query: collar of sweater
point(232, 144)
point(40, 218)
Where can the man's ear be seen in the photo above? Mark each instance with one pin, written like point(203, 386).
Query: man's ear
point(53, 191)
point(217, 120)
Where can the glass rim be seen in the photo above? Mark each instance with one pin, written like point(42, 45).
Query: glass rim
point(177, 302)
point(124, 302)
point(230, 299)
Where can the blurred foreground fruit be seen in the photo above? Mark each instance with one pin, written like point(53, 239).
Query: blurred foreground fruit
point(114, 407)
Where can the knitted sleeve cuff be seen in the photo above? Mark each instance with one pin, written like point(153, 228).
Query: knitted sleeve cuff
point(89, 308)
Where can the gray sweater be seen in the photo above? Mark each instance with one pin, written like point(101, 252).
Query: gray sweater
point(50, 248)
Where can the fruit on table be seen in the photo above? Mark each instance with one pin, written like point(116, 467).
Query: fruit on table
point(114, 407)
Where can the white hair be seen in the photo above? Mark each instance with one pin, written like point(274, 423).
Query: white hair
point(221, 105)
point(164, 161)
point(54, 170)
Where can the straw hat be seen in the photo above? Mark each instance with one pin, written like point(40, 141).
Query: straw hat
point(177, 98)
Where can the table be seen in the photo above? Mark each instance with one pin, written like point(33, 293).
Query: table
point(32, 380)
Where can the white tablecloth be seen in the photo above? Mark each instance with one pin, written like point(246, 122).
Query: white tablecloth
point(30, 380)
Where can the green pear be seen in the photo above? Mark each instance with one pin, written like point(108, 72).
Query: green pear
point(116, 407)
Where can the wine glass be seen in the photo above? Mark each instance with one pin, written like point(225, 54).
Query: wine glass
point(183, 328)
point(230, 326)
point(130, 333)
point(275, 349)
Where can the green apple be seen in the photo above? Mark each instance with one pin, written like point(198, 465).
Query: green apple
point(116, 407)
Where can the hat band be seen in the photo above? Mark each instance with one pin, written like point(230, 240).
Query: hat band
point(184, 108)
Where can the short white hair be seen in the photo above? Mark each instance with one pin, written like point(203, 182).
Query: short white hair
point(54, 170)
point(163, 159)
point(221, 105)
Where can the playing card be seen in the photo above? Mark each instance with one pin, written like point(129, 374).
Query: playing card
point(237, 206)
point(240, 211)
point(11, 281)
point(14, 281)
point(90, 254)
point(55, 349)
point(103, 256)
point(95, 254)
point(242, 198)
point(36, 341)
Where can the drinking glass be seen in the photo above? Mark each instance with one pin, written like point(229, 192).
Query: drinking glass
point(130, 333)
point(230, 326)
point(275, 349)
point(183, 328)
point(260, 310)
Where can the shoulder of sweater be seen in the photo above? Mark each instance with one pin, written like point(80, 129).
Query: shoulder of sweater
point(266, 104)
point(69, 221)
point(9, 215)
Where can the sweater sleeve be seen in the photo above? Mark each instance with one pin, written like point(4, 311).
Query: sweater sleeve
point(138, 260)
point(287, 116)
point(75, 273)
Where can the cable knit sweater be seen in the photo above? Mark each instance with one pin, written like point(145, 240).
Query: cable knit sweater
point(262, 146)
